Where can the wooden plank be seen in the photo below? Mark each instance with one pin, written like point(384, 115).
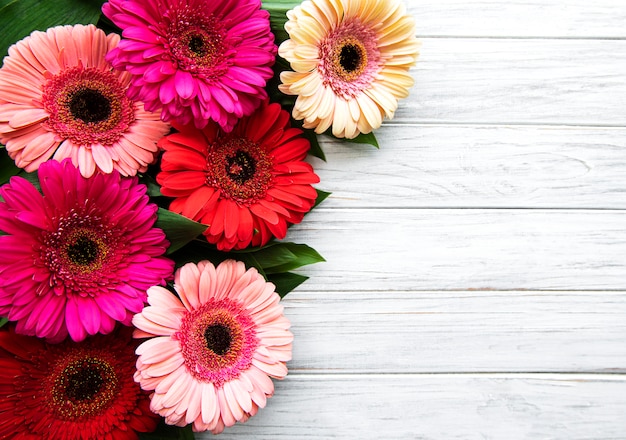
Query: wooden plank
point(462, 249)
point(398, 407)
point(510, 81)
point(520, 18)
point(447, 332)
point(478, 166)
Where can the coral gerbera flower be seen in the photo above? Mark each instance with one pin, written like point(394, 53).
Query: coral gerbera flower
point(59, 98)
point(351, 60)
point(213, 351)
point(80, 256)
point(197, 59)
point(246, 184)
point(71, 391)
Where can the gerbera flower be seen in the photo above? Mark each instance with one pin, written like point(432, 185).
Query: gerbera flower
point(351, 60)
point(247, 184)
point(71, 391)
point(59, 98)
point(197, 59)
point(79, 257)
point(213, 351)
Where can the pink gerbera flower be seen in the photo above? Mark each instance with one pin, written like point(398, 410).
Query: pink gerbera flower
point(80, 256)
point(196, 60)
point(213, 351)
point(60, 98)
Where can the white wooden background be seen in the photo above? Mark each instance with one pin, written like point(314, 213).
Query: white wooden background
point(475, 283)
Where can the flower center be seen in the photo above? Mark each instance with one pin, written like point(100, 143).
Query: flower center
point(218, 338)
point(196, 42)
point(84, 250)
point(349, 58)
point(217, 341)
point(240, 168)
point(197, 46)
point(90, 105)
point(78, 250)
point(83, 388)
point(87, 106)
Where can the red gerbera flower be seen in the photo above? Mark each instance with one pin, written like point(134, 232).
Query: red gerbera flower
point(73, 391)
point(246, 185)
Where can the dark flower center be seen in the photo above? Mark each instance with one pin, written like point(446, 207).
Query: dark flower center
point(83, 388)
point(350, 57)
point(83, 251)
point(196, 45)
point(218, 338)
point(90, 106)
point(240, 167)
point(84, 383)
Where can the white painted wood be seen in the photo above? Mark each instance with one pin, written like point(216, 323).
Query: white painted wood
point(441, 406)
point(478, 166)
point(448, 311)
point(439, 249)
point(476, 331)
point(508, 81)
point(519, 18)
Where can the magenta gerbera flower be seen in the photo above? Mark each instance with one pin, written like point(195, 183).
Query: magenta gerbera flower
point(80, 256)
point(59, 98)
point(196, 60)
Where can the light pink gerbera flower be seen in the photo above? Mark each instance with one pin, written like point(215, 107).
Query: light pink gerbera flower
point(195, 59)
point(59, 98)
point(213, 351)
point(80, 256)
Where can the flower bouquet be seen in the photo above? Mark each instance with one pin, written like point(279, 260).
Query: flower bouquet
point(154, 156)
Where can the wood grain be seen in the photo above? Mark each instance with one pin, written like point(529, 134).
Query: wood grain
point(519, 18)
point(465, 166)
point(441, 406)
point(460, 249)
point(513, 81)
point(448, 332)
point(474, 286)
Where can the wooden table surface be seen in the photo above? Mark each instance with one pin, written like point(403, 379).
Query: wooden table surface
point(475, 283)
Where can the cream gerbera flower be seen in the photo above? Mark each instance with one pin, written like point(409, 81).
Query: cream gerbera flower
point(351, 60)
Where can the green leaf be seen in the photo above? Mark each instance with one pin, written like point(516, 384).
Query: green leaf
point(278, 16)
point(321, 196)
point(178, 229)
point(154, 189)
point(168, 432)
point(7, 167)
point(18, 18)
point(286, 282)
point(302, 255)
point(316, 148)
point(3, 321)
point(273, 256)
point(368, 138)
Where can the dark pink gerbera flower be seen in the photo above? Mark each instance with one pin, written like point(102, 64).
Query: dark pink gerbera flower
point(195, 59)
point(80, 256)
